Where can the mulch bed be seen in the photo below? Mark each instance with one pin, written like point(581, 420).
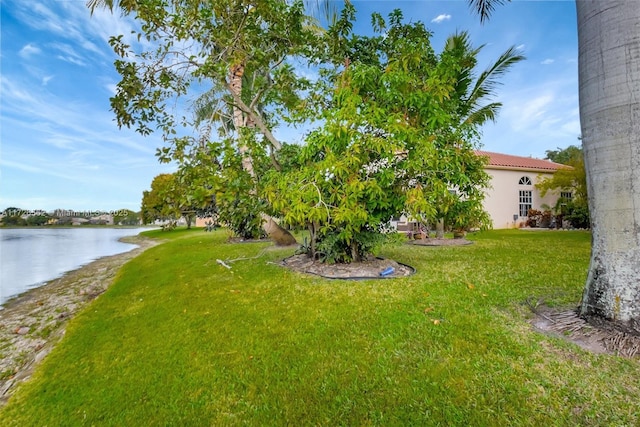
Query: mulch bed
point(368, 269)
point(440, 242)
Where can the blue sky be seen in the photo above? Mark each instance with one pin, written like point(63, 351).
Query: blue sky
point(60, 147)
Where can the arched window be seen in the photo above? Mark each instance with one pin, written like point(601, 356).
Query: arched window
point(525, 196)
point(525, 181)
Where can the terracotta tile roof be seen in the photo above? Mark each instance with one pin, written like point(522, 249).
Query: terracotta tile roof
point(507, 161)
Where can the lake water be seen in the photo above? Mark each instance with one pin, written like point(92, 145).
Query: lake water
point(29, 257)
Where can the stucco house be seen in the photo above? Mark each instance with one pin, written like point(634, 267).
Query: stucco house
point(512, 192)
point(510, 195)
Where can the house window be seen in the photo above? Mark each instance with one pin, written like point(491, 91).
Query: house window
point(525, 202)
point(525, 181)
point(567, 195)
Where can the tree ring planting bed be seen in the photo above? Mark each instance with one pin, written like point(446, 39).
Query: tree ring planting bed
point(365, 270)
point(440, 242)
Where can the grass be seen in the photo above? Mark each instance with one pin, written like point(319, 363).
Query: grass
point(180, 340)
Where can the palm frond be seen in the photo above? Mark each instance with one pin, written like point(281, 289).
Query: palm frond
point(488, 80)
point(484, 114)
point(102, 4)
point(326, 8)
point(485, 8)
point(209, 107)
point(125, 6)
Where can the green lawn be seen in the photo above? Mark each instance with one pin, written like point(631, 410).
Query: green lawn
point(180, 340)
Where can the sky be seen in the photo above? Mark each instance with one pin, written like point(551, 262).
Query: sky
point(60, 147)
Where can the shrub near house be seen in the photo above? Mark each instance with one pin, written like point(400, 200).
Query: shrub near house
point(571, 183)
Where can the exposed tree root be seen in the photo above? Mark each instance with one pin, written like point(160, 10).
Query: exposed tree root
point(594, 334)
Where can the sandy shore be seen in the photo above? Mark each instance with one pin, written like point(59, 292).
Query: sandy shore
point(33, 322)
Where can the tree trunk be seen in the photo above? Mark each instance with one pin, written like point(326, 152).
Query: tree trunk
point(239, 122)
point(355, 256)
point(440, 229)
point(609, 65)
point(279, 235)
point(313, 238)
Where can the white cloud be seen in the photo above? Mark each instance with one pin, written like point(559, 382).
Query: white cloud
point(58, 141)
point(90, 46)
point(11, 91)
point(548, 61)
point(46, 80)
point(572, 127)
point(72, 21)
point(67, 49)
point(525, 113)
point(40, 168)
point(520, 47)
point(42, 18)
point(72, 60)
point(74, 148)
point(103, 24)
point(68, 122)
point(441, 18)
point(112, 88)
point(29, 50)
point(535, 118)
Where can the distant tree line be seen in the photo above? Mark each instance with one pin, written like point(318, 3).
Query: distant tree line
point(17, 217)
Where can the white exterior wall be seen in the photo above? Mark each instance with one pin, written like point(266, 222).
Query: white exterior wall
point(502, 200)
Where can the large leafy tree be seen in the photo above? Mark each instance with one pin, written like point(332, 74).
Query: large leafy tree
point(565, 156)
point(396, 138)
point(187, 193)
point(609, 80)
point(211, 48)
point(161, 201)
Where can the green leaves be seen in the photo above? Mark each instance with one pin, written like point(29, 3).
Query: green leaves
point(395, 140)
point(193, 46)
point(399, 122)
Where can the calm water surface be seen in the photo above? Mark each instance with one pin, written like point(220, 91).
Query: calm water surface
point(31, 257)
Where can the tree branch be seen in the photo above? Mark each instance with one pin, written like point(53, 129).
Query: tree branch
point(255, 117)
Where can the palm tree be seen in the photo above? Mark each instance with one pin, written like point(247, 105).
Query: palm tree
point(609, 64)
point(475, 93)
point(609, 79)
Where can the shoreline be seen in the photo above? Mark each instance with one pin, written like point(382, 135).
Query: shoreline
point(32, 323)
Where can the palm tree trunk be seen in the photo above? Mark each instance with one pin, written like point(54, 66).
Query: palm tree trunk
point(237, 72)
point(609, 65)
point(279, 235)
